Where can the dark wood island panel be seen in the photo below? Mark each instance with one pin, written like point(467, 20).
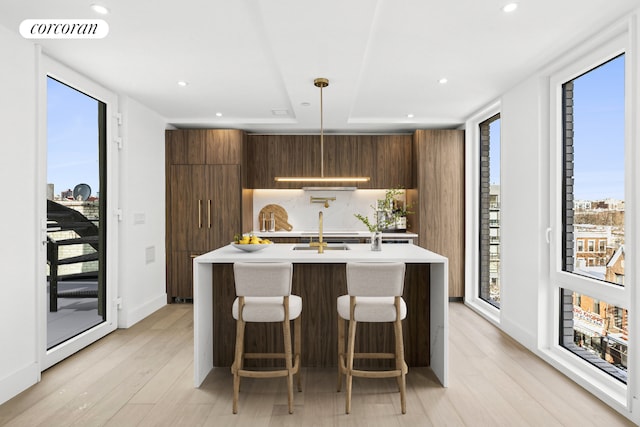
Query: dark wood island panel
point(319, 285)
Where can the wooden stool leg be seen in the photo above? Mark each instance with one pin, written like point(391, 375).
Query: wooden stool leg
point(237, 363)
point(350, 354)
point(341, 353)
point(400, 363)
point(286, 329)
point(298, 349)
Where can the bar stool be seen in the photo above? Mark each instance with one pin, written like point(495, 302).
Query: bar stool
point(264, 295)
point(374, 295)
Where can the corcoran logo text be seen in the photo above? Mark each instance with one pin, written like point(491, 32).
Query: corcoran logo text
point(64, 28)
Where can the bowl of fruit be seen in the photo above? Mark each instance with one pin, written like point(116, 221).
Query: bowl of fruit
point(250, 242)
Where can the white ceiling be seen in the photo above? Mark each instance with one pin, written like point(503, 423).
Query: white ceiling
point(246, 58)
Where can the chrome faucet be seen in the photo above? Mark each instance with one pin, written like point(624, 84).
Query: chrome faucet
point(320, 244)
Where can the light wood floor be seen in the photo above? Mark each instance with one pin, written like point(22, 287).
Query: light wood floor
point(143, 376)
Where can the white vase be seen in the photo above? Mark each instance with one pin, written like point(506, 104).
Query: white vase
point(376, 241)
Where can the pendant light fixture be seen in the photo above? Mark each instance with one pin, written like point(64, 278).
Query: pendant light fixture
point(322, 82)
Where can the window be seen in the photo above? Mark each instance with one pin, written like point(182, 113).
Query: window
point(602, 245)
point(490, 211)
point(592, 188)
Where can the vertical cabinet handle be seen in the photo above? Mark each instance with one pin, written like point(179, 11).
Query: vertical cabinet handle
point(209, 213)
point(199, 213)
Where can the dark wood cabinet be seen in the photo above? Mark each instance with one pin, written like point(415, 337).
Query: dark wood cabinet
point(204, 146)
point(437, 195)
point(206, 202)
point(269, 156)
point(386, 159)
point(394, 153)
point(319, 285)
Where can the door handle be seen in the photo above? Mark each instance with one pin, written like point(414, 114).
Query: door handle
point(209, 213)
point(199, 213)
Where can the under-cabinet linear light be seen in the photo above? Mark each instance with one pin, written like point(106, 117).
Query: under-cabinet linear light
point(322, 179)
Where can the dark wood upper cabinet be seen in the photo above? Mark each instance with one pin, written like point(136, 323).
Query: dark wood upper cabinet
point(269, 156)
point(205, 146)
point(386, 159)
point(394, 153)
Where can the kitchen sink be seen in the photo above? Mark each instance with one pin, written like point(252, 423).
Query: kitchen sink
point(329, 247)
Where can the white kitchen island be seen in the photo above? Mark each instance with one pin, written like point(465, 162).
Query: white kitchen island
point(438, 313)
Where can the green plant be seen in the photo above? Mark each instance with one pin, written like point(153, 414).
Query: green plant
point(372, 227)
point(390, 216)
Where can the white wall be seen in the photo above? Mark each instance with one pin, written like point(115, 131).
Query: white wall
point(18, 227)
point(141, 284)
point(520, 234)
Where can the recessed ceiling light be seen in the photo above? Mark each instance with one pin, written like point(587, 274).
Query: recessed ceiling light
point(410, 115)
point(100, 9)
point(218, 114)
point(509, 7)
point(443, 80)
point(183, 83)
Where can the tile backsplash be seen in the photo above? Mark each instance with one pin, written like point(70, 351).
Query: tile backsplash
point(303, 215)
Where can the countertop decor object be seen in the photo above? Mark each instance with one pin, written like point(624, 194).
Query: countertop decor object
point(280, 214)
point(248, 247)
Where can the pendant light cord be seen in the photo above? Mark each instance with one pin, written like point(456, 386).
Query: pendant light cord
point(321, 136)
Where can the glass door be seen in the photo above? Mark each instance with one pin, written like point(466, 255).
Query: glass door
point(75, 209)
point(80, 306)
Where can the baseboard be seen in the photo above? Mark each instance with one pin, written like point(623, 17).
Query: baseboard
point(519, 334)
point(128, 318)
point(19, 381)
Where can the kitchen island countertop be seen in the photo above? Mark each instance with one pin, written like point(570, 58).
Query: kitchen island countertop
point(357, 252)
point(204, 339)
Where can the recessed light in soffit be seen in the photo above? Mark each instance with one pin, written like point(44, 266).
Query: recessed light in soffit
point(98, 8)
point(509, 7)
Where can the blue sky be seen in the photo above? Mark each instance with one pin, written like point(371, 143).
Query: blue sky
point(599, 132)
point(494, 152)
point(72, 138)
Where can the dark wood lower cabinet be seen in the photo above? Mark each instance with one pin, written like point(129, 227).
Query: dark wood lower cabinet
point(205, 210)
point(319, 285)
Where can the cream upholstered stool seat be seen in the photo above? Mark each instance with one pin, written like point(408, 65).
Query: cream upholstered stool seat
point(264, 295)
point(374, 295)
